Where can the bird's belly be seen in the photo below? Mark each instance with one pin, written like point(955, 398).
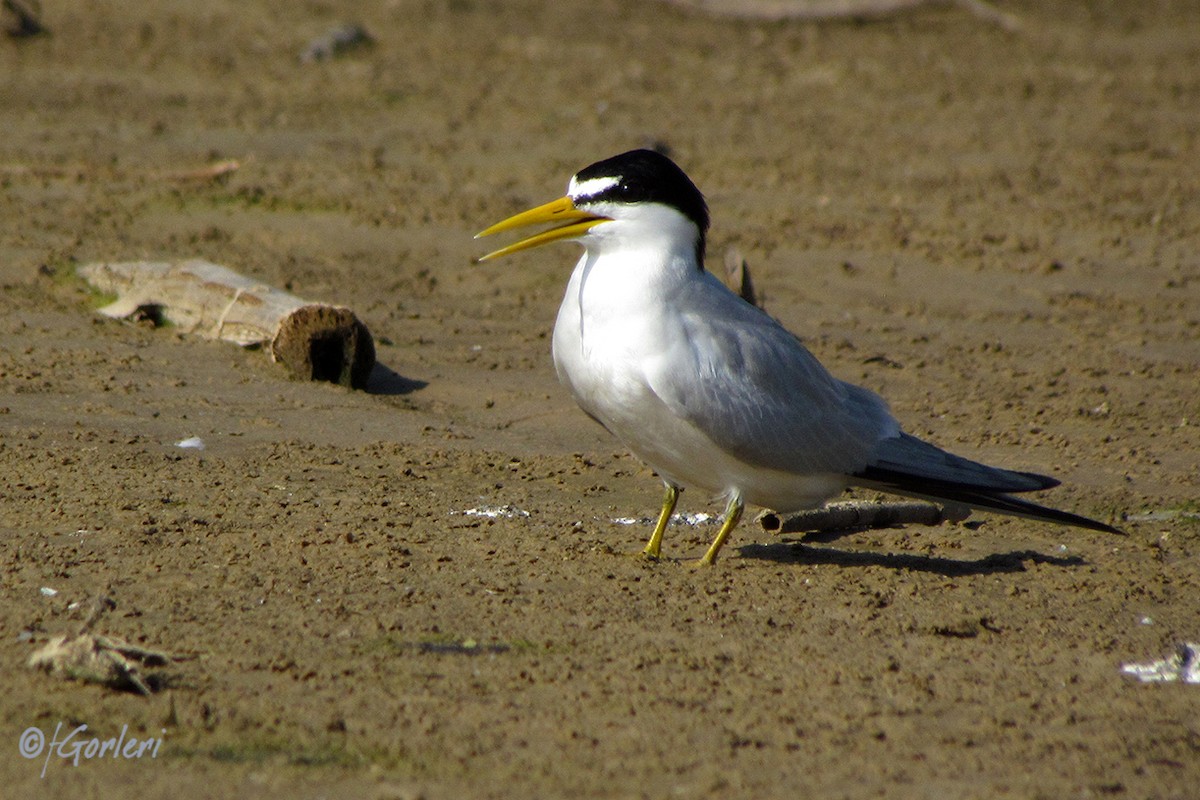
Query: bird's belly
point(686, 457)
point(608, 382)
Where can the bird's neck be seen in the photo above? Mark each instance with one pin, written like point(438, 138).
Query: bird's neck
point(621, 280)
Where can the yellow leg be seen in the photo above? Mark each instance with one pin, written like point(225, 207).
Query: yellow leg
point(668, 507)
point(733, 513)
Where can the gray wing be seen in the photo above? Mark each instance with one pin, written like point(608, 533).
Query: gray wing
point(755, 390)
point(907, 462)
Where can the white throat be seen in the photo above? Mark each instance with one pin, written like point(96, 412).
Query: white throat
point(612, 314)
point(642, 234)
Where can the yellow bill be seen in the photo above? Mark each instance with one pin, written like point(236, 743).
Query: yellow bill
point(571, 223)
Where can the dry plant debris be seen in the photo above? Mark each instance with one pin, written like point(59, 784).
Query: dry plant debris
point(95, 658)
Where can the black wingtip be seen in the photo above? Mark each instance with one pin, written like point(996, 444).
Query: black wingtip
point(1005, 504)
point(907, 465)
point(998, 502)
point(1043, 481)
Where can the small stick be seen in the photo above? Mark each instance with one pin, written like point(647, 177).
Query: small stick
point(737, 276)
point(100, 606)
point(847, 517)
point(214, 171)
point(840, 9)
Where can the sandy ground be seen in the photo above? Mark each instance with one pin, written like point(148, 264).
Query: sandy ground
point(997, 231)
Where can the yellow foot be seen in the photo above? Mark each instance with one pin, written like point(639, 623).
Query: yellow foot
point(733, 513)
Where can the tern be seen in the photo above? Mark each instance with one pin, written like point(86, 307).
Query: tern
point(707, 389)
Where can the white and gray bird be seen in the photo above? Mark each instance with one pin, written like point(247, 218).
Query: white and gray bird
point(709, 390)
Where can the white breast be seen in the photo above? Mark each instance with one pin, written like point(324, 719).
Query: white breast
point(616, 330)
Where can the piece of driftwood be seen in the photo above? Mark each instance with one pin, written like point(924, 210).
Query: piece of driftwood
point(774, 10)
point(857, 516)
point(315, 341)
point(94, 658)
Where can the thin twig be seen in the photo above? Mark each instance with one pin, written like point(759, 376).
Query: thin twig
point(840, 9)
point(844, 518)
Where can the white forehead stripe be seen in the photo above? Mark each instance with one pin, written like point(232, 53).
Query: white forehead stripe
point(579, 190)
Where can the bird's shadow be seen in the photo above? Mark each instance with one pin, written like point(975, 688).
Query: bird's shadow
point(386, 381)
point(996, 563)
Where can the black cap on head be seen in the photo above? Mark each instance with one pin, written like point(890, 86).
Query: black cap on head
point(645, 176)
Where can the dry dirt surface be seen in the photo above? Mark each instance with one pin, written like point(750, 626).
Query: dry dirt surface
point(426, 590)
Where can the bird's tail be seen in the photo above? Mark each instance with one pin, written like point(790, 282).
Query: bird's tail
point(908, 466)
